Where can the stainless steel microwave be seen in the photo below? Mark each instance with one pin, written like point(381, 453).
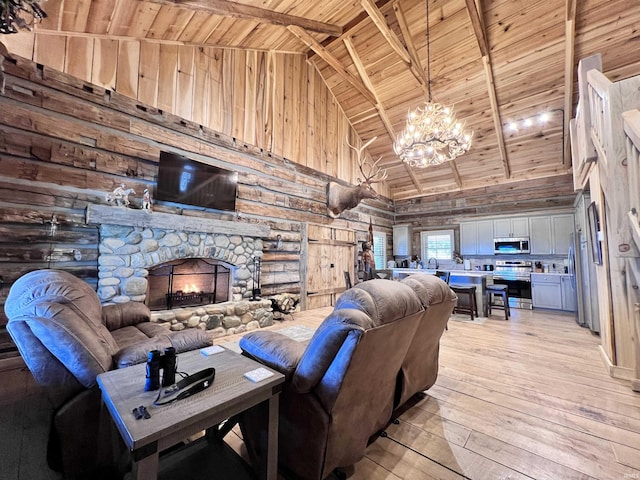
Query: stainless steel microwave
point(511, 245)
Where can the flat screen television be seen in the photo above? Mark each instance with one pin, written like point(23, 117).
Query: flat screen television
point(185, 181)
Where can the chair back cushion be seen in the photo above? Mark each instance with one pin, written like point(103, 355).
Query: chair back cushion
point(420, 366)
point(65, 316)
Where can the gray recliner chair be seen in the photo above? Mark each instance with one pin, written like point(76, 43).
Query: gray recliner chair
point(420, 366)
point(341, 387)
point(66, 338)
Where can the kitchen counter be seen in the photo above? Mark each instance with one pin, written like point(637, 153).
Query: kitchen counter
point(463, 273)
point(479, 279)
point(549, 273)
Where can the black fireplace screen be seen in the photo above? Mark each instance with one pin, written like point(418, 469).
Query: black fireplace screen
point(187, 283)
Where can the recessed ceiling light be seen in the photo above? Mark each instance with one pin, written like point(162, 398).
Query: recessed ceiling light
point(513, 126)
point(528, 122)
point(544, 118)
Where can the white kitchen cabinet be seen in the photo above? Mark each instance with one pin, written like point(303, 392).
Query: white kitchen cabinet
point(401, 240)
point(511, 227)
point(562, 228)
point(540, 235)
point(476, 238)
point(568, 291)
point(550, 234)
point(546, 291)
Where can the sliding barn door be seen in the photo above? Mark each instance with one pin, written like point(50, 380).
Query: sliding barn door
point(330, 252)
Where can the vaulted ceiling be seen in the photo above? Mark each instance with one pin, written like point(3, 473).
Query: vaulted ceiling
point(498, 62)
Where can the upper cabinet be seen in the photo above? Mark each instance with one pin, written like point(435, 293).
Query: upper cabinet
point(401, 240)
point(476, 238)
point(551, 234)
point(511, 227)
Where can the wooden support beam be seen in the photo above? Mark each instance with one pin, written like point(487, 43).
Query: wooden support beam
point(257, 14)
point(357, 61)
point(475, 15)
point(569, 72)
point(392, 39)
point(456, 173)
point(323, 53)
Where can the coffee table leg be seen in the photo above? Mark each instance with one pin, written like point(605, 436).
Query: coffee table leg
point(145, 468)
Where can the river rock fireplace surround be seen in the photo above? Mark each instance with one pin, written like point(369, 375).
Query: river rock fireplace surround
point(137, 246)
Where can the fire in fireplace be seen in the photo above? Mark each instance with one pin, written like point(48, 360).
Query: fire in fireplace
point(187, 283)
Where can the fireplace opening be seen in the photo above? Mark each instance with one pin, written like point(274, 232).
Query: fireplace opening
point(187, 283)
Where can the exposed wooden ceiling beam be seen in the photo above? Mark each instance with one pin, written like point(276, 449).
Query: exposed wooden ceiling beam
point(392, 39)
point(456, 173)
point(322, 52)
point(106, 36)
point(474, 9)
point(257, 14)
point(362, 71)
point(569, 69)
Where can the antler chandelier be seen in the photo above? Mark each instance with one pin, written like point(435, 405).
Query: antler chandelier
point(17, 14)
point(432, 135)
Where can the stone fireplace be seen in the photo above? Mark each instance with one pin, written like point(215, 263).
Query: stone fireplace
point(144, 256)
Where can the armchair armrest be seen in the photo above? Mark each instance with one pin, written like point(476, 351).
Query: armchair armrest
point(124, 315)
point(274, 350)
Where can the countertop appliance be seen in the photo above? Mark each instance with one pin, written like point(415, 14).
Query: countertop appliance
point(511, 245)
point(516, 275)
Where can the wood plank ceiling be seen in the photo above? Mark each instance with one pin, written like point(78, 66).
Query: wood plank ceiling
point(496, 61)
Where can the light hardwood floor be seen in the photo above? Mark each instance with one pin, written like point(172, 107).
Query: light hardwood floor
point(527, 398)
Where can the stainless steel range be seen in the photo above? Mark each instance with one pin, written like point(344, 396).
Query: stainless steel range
point(516, 275)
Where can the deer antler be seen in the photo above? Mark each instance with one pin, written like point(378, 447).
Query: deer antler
point(374, 174)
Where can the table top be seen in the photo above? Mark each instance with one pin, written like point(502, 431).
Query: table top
point(123, 390)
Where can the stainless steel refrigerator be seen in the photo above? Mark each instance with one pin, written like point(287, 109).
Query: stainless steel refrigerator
point(582, 268)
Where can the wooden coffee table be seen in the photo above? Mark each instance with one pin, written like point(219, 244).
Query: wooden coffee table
point(230, 394)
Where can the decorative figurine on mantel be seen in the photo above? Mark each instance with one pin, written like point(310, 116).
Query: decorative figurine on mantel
point(146, 200)
point(119, 196)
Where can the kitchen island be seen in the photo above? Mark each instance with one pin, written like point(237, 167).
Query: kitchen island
point(463, 278)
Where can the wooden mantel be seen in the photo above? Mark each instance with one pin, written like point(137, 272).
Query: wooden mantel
point(104, 214)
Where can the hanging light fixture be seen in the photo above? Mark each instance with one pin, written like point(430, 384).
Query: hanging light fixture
point(432, 135)
point(19, 14)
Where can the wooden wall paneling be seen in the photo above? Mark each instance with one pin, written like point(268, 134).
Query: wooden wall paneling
point(309, 159)
point(301, 105)
point(122, 17)
point(167, 77)
point(128, 61)
point(263, 86)
point(250, 99)
point(185, 82)
point(216, 101)
point(238, 94)
point(79, 57)
point(49, 50)
point(228, 79)
point(201, 90)
point(289, 126)
point(278, 101)
point(21, 43)
point(148, 72)
point(321, 121)
point(105, 63)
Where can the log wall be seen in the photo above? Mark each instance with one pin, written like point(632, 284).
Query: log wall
point(65, 142)
point(277, 102)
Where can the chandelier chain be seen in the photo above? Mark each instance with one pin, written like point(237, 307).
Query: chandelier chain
point(432, 135)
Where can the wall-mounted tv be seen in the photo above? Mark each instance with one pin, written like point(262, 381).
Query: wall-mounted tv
point(185, 181)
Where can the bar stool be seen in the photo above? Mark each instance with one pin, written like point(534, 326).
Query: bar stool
point(499, 290)
point(466, 300)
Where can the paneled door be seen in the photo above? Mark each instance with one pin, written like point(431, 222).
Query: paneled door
point(330, 252)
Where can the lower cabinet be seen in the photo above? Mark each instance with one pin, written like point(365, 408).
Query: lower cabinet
point(553, 291)
point(545, 291)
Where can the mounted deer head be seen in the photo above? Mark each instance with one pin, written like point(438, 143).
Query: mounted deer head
point(341, 198)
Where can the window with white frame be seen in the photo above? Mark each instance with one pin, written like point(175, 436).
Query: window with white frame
point(437, 244)
point(380, 249)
